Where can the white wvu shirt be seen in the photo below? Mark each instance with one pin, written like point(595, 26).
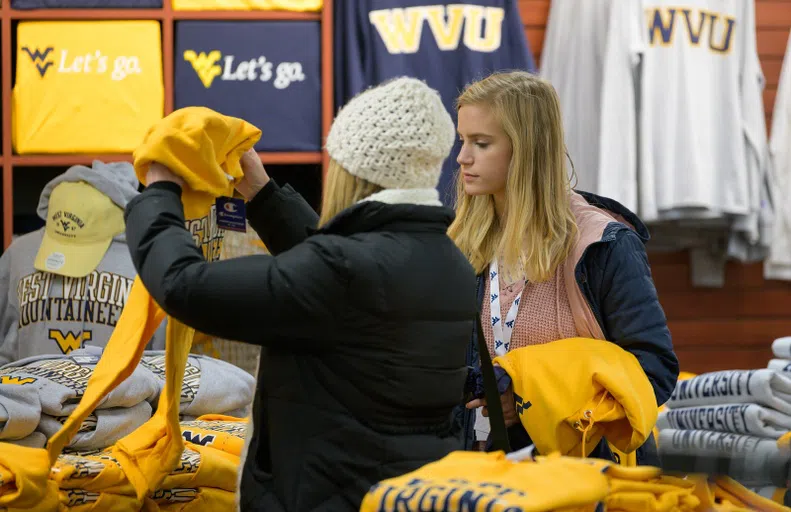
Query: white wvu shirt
point(698, 104)
point(778, 263)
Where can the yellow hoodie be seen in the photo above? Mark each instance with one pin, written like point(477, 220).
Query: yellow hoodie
point(204, 148)
point(571, 393)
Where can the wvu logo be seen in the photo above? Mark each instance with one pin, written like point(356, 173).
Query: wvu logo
point(205, 65)
point(37, 56)
point(69, 341)
point(16, 381)
point(203, 440)
point(521, 405)
point(477, 27)
point(693, 26)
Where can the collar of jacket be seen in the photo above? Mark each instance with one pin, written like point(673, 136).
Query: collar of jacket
point(416, 210)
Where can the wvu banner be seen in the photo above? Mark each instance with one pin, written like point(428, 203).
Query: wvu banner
point(248, 5)
point(86, 87)
point(267, 73)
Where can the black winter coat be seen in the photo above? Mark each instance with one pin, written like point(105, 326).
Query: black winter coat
point(364, 326)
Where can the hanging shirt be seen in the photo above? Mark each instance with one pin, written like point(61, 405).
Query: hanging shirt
point(698, 106)
point(778, 264)
point(447, 45)
point(571, 59)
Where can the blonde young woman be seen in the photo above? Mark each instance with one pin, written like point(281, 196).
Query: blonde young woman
point(363, 315)
point(567, 263)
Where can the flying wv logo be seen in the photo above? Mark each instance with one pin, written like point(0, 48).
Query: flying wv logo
point(197, 438)
point(39, 58)
point(205, 65)
point(521, 405)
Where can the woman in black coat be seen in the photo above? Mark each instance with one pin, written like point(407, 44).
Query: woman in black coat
point(364, 314)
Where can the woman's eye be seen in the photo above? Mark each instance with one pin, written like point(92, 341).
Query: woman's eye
point(482, 145)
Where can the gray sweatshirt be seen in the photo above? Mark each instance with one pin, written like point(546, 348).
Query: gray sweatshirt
point(43, 313)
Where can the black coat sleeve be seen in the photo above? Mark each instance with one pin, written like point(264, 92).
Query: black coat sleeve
point(632, 315)
point(256, 299)
point(281, 217)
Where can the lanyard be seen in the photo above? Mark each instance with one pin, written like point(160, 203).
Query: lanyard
point(502, 335)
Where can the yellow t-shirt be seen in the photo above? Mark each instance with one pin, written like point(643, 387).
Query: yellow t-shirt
point(197, 500)
point(201, 466)
point(248, 5)
point(226, 434)
point(97, 472)
point(474, 481)
point(86, 86)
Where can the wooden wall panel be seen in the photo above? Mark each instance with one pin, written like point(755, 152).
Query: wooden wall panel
point(731, 327)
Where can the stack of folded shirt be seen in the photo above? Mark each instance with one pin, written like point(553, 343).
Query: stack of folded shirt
point(37, 394)
point(224, 433)
point(738, 413)
point(492, 481)
point(58, 383)
point(211, 386)
point(205, 478)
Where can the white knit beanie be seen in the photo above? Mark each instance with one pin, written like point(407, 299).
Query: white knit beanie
point(395, 135)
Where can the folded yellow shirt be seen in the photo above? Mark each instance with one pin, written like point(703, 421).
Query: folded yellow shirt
point(76, 500)
point(225, 434)
point(197, 500)
point(86, 86)
point(23, 479)
point(98, 472)
point(248, 5)
point(202, 466)
point(204, 148)
point(573, 392)
point(475, 480)
point(732, 494)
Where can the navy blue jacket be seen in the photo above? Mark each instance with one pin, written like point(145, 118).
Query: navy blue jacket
point(615, 278)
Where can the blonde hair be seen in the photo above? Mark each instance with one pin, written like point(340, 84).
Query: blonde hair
point(539, 228)
point(341, 190)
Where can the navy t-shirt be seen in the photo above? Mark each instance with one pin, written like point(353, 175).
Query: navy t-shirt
point(265, 72)
point(447, 45)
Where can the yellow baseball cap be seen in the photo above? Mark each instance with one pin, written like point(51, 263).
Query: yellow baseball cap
point(81, 224)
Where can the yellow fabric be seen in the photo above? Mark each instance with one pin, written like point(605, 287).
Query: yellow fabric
point(779, 495)
point(599, 390)
point(23, 478)
point(248, 5)
point(49, 501)
point(727, 489)
point(224, 433)
point(99, 472)
point(86, 86)
point(76, 500)
point(204, 148)
point(784, 441)
point(205, 499)
point(624, 459)
point(81, 224)
point(201, 466)
point(201, 146)
point(466, 478)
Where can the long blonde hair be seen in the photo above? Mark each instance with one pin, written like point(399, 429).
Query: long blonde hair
point(341, 190)
point(539, 229)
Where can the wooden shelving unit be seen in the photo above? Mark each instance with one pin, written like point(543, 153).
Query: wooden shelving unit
point(167, 17)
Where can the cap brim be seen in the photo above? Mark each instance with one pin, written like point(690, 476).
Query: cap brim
point(70, 260)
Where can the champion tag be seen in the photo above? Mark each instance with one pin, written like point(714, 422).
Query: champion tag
point(230, 214)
